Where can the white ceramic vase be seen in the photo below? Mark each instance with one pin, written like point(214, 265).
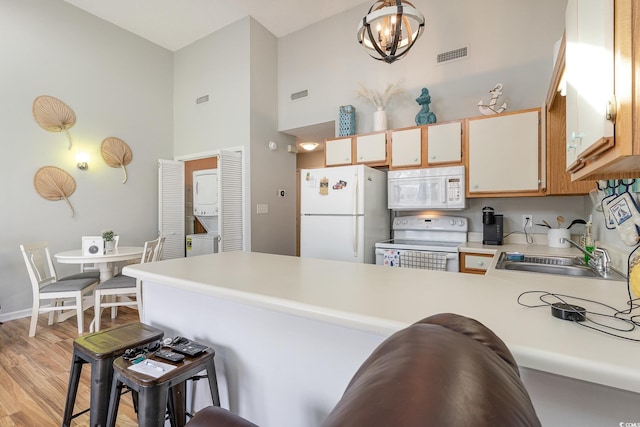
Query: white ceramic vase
point(379, 120)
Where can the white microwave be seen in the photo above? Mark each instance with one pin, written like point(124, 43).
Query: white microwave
point(426, 189)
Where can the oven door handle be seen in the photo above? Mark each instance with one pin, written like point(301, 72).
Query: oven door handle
point(381, 249)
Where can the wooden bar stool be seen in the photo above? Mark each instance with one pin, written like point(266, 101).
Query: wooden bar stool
point(100, 349)
point(153, 393)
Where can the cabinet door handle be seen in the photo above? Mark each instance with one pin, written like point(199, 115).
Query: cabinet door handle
point(612, 109)
point(575, 135)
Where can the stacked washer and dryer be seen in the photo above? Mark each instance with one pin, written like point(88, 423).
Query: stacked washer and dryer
point(205, 209)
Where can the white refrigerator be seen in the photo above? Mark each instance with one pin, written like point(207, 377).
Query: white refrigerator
point(343, 213)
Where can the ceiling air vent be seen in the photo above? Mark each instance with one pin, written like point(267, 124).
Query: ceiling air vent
point(202, 99)
point(453, 55)
point(296, 96)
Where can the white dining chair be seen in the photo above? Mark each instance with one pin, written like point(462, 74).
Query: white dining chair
point(64, 294)
point(119, 290)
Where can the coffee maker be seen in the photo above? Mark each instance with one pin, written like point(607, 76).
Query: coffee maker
point(491, 227)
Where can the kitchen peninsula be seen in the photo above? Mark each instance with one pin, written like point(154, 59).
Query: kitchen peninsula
point(289, 333)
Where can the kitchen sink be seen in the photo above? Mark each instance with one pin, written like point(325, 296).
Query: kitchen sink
point(558, 265)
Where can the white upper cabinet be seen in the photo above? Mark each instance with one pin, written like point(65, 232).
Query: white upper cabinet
point(406, 147)
point(589, 77)
point(503, 153)
point(444, 142)
point(371, 148)
point(337, 151)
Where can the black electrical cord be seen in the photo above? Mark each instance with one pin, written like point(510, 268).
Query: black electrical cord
point(528, 238)
point(630, 324)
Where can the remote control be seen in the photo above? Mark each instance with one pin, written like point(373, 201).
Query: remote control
point(169, 355)
point(187, 347)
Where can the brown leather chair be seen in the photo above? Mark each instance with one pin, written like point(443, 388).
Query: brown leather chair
point(445, 370)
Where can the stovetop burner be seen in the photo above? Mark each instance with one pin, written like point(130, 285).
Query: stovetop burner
point(427, 232)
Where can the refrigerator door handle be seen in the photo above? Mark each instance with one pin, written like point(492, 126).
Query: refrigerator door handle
point(355, 215)
point(355, 236)
point(355, 193)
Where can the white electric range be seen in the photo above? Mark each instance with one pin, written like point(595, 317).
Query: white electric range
point(427, 242)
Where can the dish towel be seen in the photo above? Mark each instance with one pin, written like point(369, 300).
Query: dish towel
point(392, 257)
point(424, 260)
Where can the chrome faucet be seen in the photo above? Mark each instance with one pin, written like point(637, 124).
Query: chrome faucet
point(599, 259)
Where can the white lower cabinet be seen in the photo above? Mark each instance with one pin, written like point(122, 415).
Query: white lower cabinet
point(474, 263)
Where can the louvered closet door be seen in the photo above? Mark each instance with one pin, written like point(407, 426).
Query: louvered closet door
point(171, 207)
point(231, 197)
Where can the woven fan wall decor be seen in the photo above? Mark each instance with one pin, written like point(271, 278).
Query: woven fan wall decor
point(53, 183)
point(116, 153)
point(53, 115)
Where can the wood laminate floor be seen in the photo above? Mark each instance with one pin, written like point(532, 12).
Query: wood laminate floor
point(34, 372)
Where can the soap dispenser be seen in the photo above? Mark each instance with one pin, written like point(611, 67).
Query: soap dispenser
point(588, 239)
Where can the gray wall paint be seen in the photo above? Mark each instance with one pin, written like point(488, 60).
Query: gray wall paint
point(241, 82)
point(271, 171)
point(219, 66)
point(510, 42)
point(118, 85)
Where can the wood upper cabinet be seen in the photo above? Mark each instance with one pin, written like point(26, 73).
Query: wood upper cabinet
point(589, 78)
point(371, 149)
point(406, 147)
point(444, 143)
point(338, 151)
point(503, 154)
point(615, 154)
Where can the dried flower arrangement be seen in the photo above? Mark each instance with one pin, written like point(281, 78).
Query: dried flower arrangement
point(381, 100)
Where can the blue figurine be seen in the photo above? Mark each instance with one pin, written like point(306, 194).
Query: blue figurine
point(424, 117)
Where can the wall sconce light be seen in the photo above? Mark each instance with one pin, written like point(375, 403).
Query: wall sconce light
point(83, 161)
point(309, 146)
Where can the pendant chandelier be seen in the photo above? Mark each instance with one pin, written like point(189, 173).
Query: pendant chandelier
point(390, 29)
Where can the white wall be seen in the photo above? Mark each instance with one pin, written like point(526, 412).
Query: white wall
point(118, 85)
point(237, 68)
point(271, 171)
point(217, 65)
point(510, 42)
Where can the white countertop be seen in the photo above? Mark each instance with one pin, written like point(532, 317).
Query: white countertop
point(383, 299)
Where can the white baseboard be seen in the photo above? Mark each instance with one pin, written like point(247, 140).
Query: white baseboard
point(5, 317)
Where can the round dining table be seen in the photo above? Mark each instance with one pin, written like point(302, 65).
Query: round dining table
point(104, 261)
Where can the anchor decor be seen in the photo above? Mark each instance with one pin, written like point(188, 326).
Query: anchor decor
point(491, 108)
